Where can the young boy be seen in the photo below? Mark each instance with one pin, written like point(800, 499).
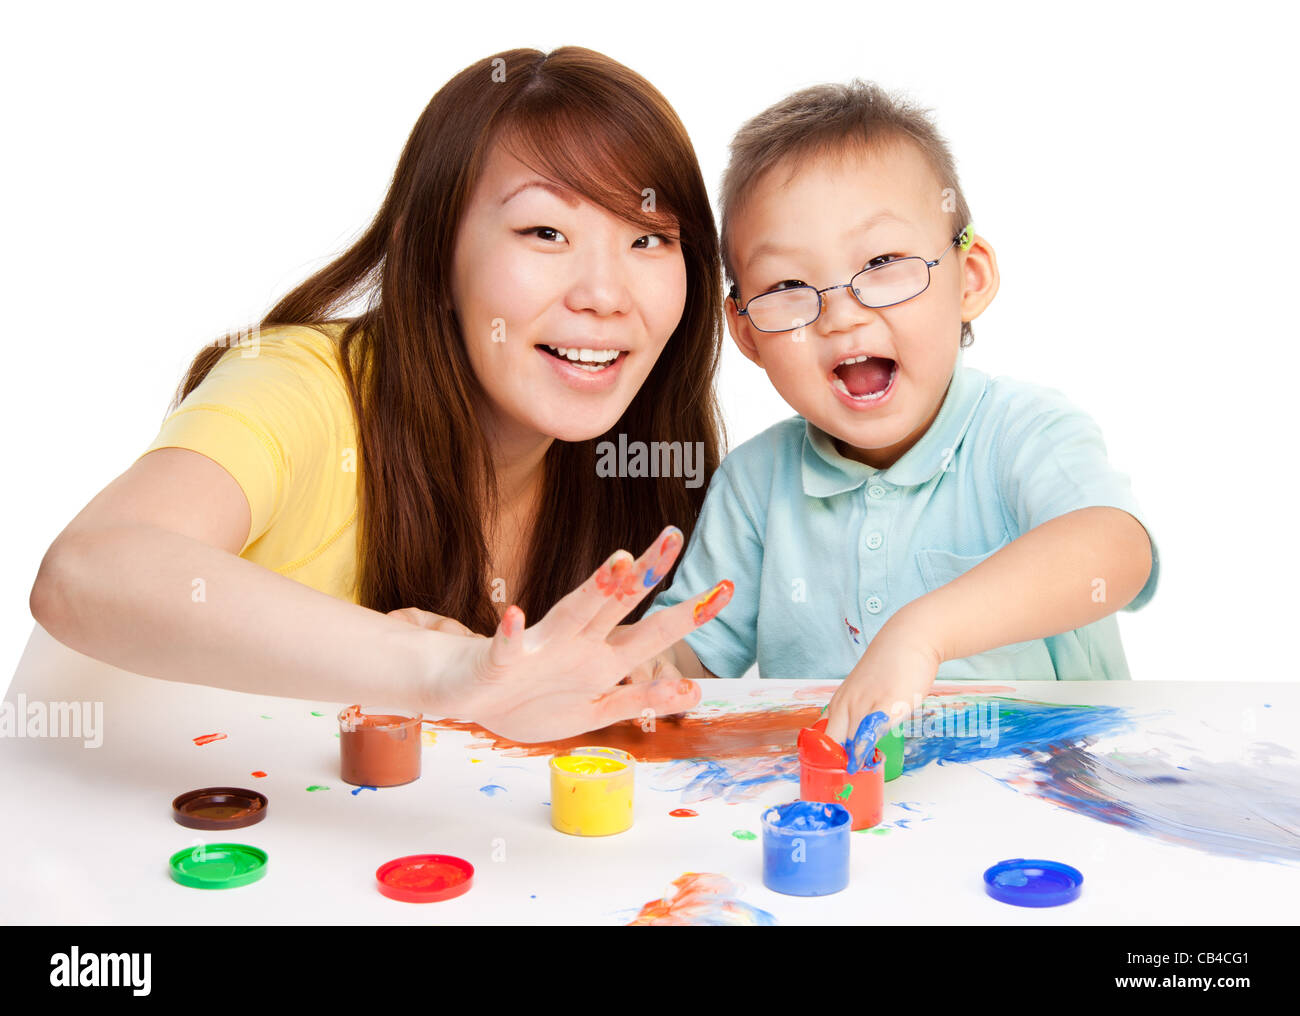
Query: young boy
point(917, 518)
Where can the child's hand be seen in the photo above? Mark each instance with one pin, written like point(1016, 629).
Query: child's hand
point(900, 663)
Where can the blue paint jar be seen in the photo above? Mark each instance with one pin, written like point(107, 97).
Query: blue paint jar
point(806, 848)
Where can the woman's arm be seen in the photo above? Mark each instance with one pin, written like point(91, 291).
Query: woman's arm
point(148, 578)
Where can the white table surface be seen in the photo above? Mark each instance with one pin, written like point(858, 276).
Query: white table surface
point(88, 831)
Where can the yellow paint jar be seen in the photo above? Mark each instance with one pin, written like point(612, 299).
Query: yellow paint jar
point(591, 791)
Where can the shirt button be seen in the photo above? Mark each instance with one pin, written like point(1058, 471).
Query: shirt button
point(876, 491)
point(874, 605)
point(874, 541)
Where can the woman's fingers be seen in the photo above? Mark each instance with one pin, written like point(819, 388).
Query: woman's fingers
point(612, 590)
point(651, 670)
point(572, 613)
point(652, 635)
point(508, 640)
point(638, 701)
point(646, 573)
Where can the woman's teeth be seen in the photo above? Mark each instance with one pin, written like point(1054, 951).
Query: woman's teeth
point(592, 360)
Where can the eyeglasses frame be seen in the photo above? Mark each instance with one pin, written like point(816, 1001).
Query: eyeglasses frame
point(964, 238)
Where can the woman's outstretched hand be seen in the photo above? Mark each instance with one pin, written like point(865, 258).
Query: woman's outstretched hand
point(561, 676)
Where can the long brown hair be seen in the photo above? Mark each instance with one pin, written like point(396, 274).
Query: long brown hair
point(426, 480)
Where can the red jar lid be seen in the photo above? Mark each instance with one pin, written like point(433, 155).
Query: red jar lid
point(425, 878)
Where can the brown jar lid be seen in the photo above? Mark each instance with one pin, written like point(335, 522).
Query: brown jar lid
point(219, 808)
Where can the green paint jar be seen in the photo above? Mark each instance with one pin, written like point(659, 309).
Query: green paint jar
point(891, 746)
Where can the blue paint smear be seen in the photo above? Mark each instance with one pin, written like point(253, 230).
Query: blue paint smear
point(1017, 728)
point(732, 780)
point(908, 805)
point(1231, 809)
point(934, 736)
point(862, 744)
point(365, 786)
point(491, 789)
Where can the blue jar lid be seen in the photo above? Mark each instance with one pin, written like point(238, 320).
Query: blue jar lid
point(1026, 882)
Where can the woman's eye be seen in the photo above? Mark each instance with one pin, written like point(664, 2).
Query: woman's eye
point(543, 233)
point(663, 241)
point(883, 259)
point(786, 284)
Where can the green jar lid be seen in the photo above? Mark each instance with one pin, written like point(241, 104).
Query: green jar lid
point(218, 865)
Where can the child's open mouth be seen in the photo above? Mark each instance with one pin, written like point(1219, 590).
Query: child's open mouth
point(865, 379)
point(593, 361)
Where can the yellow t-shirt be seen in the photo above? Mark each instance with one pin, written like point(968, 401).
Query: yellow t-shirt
point(275, 414)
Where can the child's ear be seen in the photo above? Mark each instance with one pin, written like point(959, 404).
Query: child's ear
point(741, 332)
point(979, 277)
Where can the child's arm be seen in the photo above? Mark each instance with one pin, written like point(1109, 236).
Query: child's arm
point(1064, 574)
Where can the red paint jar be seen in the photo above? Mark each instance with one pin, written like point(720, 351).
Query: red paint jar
point(379, 748)
point(866, 798)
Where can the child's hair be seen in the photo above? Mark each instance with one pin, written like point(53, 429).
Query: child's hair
point(826, 119)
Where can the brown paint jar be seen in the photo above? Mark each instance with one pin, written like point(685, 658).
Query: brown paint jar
point(379, 747)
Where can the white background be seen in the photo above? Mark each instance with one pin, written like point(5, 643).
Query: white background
point(171, 173)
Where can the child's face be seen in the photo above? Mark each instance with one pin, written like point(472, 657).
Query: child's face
point(537, 270)
point(836, 216)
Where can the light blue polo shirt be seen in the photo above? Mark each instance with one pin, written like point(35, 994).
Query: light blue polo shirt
point(823, 549)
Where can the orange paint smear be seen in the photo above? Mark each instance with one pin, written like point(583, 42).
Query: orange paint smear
point(209, 738)
point(756, 734)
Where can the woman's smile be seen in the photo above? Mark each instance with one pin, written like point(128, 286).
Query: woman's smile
point(582, 368)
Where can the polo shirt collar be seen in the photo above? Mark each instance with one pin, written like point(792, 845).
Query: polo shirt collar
point(826, 472)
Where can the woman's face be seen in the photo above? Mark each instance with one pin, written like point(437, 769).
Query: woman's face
point(564, 307)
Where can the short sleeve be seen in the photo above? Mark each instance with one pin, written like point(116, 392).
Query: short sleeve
point(724, 545)
point(1052, 461)
point(256, 417)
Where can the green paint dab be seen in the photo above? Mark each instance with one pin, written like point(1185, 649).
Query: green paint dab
point(744, 834)
point(315, 787)
point(843, 795)
point(314, 713)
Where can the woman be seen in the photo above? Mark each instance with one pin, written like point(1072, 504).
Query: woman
point(543, 276)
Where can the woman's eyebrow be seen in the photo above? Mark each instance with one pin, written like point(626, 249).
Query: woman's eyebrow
point(563, 193)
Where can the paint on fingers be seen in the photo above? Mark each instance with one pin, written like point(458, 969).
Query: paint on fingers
point(618, 576)
point(512, 622)
point(708, 605)
point(669, 544)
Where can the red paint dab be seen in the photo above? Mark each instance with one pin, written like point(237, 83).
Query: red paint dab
point(683, 813)
point(817, 749)
point(258, 773)
point(209, 738)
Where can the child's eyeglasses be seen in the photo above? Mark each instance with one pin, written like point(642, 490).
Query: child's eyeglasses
point(894, 282)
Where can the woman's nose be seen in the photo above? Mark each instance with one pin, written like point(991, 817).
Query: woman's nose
point(600, 283)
